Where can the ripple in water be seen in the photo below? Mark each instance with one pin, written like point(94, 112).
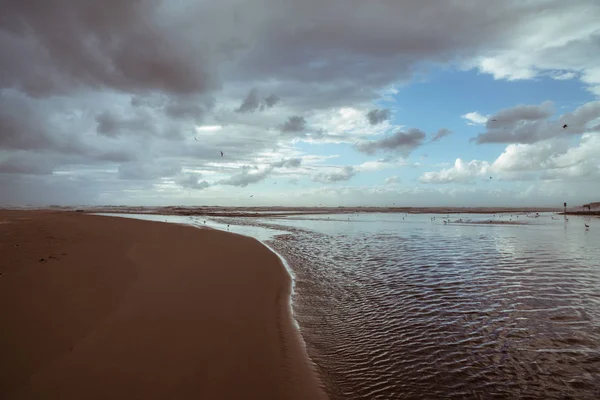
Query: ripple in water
point(413, 309)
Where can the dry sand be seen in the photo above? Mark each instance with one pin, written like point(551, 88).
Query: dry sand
point(97, 307)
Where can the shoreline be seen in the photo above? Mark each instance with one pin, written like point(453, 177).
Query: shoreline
point(262, 212)
point(126, 308)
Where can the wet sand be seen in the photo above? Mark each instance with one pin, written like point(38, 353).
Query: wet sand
point(97, 307)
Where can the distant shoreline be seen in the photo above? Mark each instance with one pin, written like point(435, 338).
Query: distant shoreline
point(597, 213)
point(216, 211)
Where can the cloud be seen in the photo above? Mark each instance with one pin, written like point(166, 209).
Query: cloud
point(552, 159)
point(76, 50)
point(271, 100)
point(192, 181)
point(289, 163)
point(250, 103)
point(403, 142)
point(252, 174)
point(294, 125)
point(377, 116)
point(253, 102)
point(440, 134)
point(546, 51)
point(461, 172)
point(148, 170)
point(474, 118)
point(247, 176)
point(533, 123)
point(585, 118)
point(23, 163)
point(521, 113)
point(191, 107)
point(112, 126)
point(383, 163)
point(78, 102)
point(392, 180)
point(338, 175)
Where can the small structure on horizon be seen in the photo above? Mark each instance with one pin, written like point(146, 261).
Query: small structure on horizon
point(592, 206)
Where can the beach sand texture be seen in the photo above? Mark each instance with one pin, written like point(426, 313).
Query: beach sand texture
point(96, 307)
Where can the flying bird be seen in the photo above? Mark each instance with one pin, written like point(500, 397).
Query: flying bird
point(251, 195)
point(565, 126)
point(221, 154)
point(196, 139)
point(587, 226)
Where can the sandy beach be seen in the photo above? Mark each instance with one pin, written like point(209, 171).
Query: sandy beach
point(96, 307)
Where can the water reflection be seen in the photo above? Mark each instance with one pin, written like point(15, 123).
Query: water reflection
point(412, 308)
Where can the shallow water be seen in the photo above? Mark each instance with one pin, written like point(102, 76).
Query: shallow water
point(400, 306)
point(403, 306)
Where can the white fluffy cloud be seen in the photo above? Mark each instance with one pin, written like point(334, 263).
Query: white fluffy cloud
point(552, 159)
point(554, 43)
point(474, 118)
point(461, 172)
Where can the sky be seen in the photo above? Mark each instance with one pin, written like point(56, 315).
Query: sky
point(311, 102)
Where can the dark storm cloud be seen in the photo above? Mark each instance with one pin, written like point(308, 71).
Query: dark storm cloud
point(294, 125)
point(404, 142)
point(440, 134)
point(188, 108)
point(110, 125)
point(378, 116)
point(22, 126)
point(532, 123)
point(22, 163)
point(271, 100)
point(252, 102)
point(29, 126)
point(74, 44)
point(344, 174)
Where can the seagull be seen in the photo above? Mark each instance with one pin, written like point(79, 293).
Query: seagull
point(587, 226)
point(565, 126)
point(196, 139)
point(221, 154)
point(251, 195)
